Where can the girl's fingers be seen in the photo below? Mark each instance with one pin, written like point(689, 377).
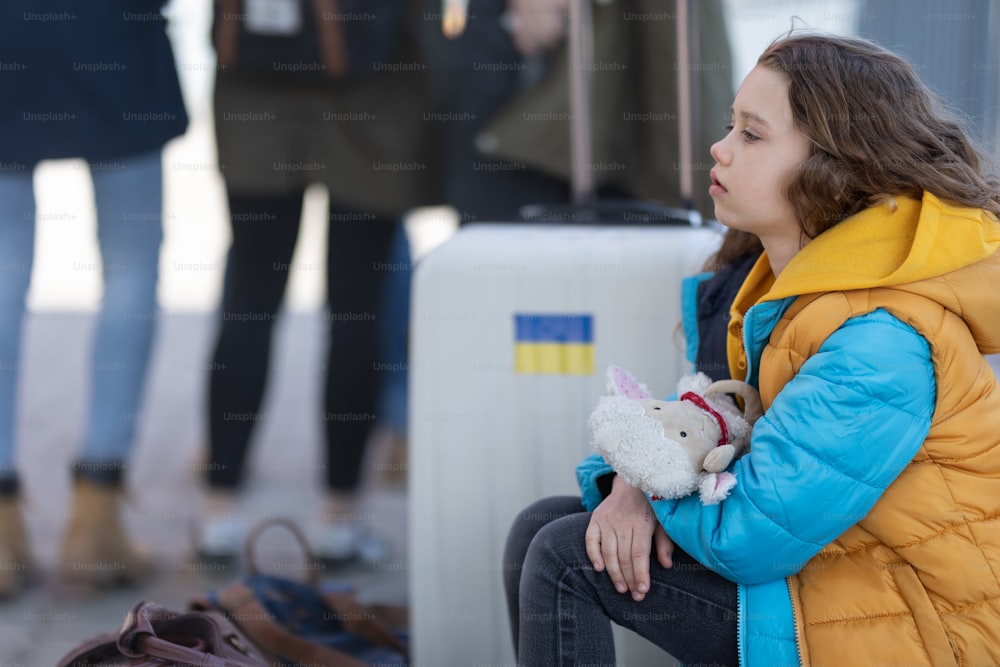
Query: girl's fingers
point(592, 541)
point(612, 564)
point(638, 558)
point(664, 547)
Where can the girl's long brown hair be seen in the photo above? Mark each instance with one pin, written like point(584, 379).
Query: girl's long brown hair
point(876, 131)
point(735, 244)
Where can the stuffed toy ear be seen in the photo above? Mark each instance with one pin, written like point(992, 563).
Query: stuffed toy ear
point(621, 382)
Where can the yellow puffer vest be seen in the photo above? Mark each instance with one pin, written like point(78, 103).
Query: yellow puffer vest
point(917, 580)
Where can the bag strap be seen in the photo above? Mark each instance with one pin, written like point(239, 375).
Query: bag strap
point(363, 622)
point(332, 42)
point(100, 650)
point(313, 566)
point(238, 602)
point(357, 619)
point(140, 638)
point(240, 605)
point(227, 32)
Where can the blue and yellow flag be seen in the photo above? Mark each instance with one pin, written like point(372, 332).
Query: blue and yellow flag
point(554, 344)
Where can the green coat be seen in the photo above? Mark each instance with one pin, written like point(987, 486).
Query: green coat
point(367, 141)
point(635, 107)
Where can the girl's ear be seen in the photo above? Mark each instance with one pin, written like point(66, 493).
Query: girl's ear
point(621, 382)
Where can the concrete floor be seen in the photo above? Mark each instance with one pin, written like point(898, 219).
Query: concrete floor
point(42, 625)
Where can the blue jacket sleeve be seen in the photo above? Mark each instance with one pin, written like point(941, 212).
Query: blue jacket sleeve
point(830, 444)
point(587, 473)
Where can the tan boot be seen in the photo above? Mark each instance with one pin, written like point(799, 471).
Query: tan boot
point(17, 567)
point(96, 551)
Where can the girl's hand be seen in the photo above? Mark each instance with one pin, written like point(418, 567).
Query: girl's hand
point(620, 539)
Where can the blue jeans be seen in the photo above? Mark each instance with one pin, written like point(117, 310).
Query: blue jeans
point(129, 203)
point(561, 610)
point(394, 333)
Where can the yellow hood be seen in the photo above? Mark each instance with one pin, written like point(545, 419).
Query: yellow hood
point(919, 241)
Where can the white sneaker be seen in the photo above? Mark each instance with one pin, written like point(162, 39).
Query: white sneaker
point(341, 543)
point(371, 549)
point(221, 538)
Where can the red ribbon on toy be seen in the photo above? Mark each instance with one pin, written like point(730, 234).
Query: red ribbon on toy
point(703, 404)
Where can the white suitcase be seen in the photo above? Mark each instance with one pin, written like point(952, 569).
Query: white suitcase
point(488, 435)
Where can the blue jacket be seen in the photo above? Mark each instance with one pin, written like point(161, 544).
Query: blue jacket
point(756, 550)
point(93, 80)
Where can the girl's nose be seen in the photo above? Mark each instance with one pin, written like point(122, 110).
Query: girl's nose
point(719, 152)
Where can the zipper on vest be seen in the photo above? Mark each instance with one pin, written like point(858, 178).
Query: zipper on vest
point(795, 621)
point(746, 344)
point(741, 640)
point(772, 312)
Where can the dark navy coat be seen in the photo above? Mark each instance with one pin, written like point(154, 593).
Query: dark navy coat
point(85, 78)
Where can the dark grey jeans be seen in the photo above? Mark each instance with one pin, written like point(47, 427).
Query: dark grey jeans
point(561, 609)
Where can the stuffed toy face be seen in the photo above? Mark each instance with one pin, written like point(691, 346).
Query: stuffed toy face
point(669, 449)
point(683, 422)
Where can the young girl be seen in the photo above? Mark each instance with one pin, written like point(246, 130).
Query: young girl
point(864, 528)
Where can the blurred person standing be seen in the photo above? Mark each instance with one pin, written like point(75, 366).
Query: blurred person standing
point(96, 81)
point(310, 92)
point(502, 87)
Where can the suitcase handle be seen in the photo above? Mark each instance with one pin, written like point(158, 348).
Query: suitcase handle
point(581, 56)
point(611, 211)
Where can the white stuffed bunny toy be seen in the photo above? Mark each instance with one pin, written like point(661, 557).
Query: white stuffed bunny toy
point(671, 448)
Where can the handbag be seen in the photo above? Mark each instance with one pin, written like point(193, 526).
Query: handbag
point(320, 40)
point(258, 620)
point(311, 621)
point(153, 636)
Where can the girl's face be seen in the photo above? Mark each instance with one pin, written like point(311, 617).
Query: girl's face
point(756, 161)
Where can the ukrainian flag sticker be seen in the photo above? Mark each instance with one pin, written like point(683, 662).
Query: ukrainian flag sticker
point(554, 344)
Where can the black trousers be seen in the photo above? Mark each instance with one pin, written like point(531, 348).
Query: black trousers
point(264, 232)
point(561, 610)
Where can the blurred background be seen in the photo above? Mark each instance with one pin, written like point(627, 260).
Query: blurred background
point(954, 44)
point(957, 53)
